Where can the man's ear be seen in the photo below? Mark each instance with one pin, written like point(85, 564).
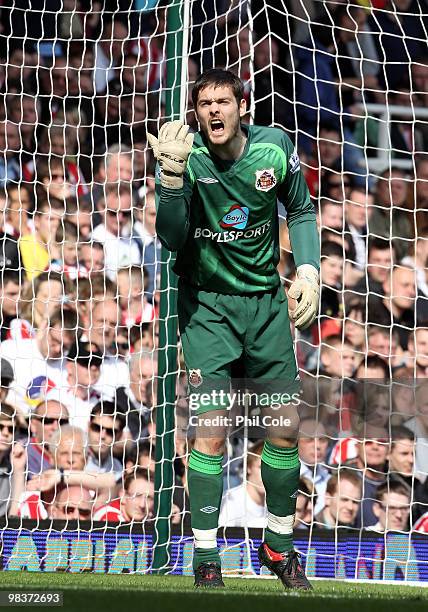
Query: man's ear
point(242, 107)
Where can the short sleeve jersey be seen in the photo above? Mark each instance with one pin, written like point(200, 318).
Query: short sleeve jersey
point(232, 245)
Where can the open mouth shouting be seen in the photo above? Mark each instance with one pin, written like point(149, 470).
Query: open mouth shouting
point(217, 127)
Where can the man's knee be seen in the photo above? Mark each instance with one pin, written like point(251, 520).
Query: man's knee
point(282, 425)
point(210, 446)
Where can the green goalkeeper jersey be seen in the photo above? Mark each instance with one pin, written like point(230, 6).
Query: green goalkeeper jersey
point(224, 222)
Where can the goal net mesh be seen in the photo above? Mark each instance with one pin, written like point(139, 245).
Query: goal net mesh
point(82, 82)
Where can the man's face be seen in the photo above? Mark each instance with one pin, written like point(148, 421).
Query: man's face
point(46, 223)
point(48, 298)
point(48, 417)
point(104, 431)
point(92, 259)
point(329, 148)
point(331, 270)
point(401, 457)
point(339, 362)
point(59, 79)
point(332, 217)
point(373, 454)
point(219, 115)
point(72, 503)
point(103, 325)
point(147, 462)
point(119, 168)
point(403, 290)
point(9, 299)
point(83, 376)
point(379, 264)
point(18, 199)
point(129, 291)
point(422, 181)
point(343, 506)
point(421, 348)
point(150, 214)
point(392, 191)
point(6, 434)
point(135, 72)
point(313, 450)
point(379, 344)
point(355, 330)
point(117, 211)
point(138, 501)
point(393, 511)
point(55, 343)
point(358, 209)
point(70, 453)
point(143, 372)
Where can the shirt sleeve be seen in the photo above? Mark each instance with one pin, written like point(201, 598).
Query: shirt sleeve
point(173, 213)
point(301, 219)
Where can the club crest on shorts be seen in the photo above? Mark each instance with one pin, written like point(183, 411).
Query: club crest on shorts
point(195, 378)
point(265, 179)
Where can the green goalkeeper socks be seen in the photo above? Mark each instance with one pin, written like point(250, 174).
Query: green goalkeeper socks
point(280, 475)
point(205, 479)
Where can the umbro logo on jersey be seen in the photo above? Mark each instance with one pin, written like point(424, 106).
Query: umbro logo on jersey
point(208, 509)
point(295, 494)
point(265, 179)
point(207, 179)
point(237, 217)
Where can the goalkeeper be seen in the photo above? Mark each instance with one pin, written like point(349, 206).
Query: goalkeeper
point(217, 198)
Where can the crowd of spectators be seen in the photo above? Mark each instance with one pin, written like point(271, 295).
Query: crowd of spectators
point(80, 261)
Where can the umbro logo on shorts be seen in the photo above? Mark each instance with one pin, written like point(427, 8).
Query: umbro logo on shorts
point(208, 509)
point(208, 180)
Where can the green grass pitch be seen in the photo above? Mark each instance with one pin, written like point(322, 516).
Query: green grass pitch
point(129, 593)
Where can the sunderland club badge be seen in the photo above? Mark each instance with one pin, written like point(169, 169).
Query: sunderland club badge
point(195, 378)
point(265, 179)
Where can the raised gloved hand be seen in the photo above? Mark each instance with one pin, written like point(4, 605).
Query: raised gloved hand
point(306, 291)
point(171, 149)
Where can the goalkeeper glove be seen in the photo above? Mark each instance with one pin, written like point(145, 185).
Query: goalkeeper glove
point(305, 290)
point(171, 149)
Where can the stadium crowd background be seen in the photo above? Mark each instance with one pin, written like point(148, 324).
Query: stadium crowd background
point(80, 261)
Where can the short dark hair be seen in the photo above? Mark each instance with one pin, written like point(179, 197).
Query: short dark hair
point(136, 474)
point(381, 244)
point(392, 487)
point(401, 432)
point(219, 78)
point(374, 361)
point(10, 276)
point(348, 474)
point(105, 408)
point(331, 249)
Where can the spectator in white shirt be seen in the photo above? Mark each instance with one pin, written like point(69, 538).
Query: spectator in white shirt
point(101, 329)
point(38, 362)
point(244, 505)
point(119, 251)
point(392, 507)
point(313, 448)
point(83, 372)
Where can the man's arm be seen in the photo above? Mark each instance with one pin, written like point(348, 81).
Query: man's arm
point(173, 189)
point(173, 214)
point(301, 219)
point(302, 226)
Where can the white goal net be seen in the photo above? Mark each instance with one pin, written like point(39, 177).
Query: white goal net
point(81, 83)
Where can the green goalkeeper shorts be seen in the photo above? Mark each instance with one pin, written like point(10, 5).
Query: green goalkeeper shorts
point(218, 330)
